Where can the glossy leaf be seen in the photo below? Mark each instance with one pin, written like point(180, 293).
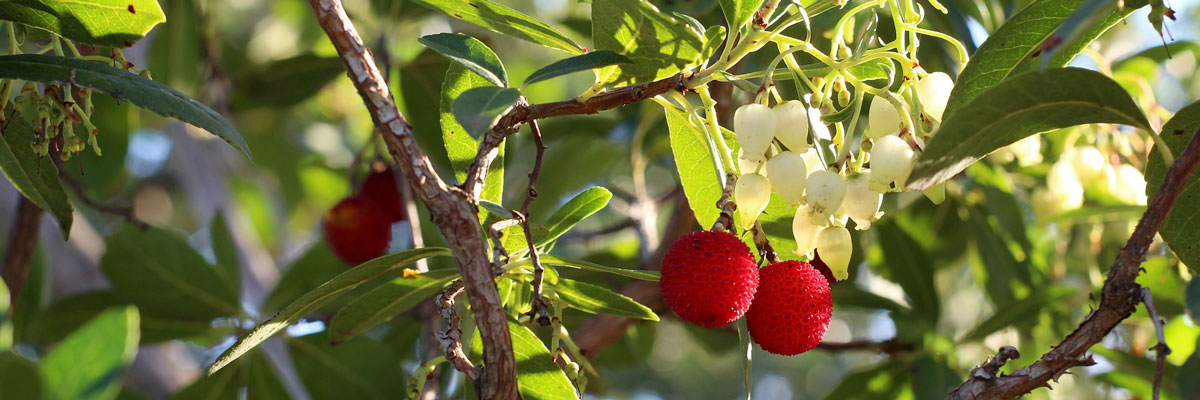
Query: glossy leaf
point(739, 12)
point(589, 266)
point(500, 19)
point(694, 162)
point(111, 23)
point(312, 269)
point(1014, 48)
point(659, 45)
point(582, 62)
point(912, 268)
point(226, 252)
point(538, 377)
point(35, 177)
point(386, 302)
point(594, 299)
point(159, 273)
point(126, 86)
point(91, 362)
point(1181, 229)
point(471, 53)
point(579, 207)
point(460, 146)
point(1032, 103)
point(1025, 309)
point(321, 295)
point(478, 109)
point(20, 378)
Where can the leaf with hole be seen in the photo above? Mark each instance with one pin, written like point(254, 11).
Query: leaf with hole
point(323, 294)
point(471, 53)
point(1032, 103)
point(134, 88)
point(478, 109)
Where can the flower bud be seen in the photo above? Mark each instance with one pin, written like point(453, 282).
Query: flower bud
point(755, 126)
point(791, 125)
point(883, 120)
point(825, 192)
point(788, 176)
point(752, 193)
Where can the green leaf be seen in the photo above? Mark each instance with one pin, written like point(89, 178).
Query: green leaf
point(1015, 47)
point(173, 55)
point(111, 23)
point(1186, 381)
point(538, 377)
point(286, 82)
point(68, 314)
point(549, 259)
point(462, 147)
point(226, 252)
point(579, 207)
point(323, 294)
point(912, 268)
point(849, 295)
point(469, 52)
point(386, 302)
point(224, 385)
point(713, 38)
point(877, 382)
point(159, 273)
point(594, 299)
point(312, 269)
point(934, 378)
point(658, 44)
point(504, 20)
point(1021, 310)
point(148, 94)
point(1028, 104)
point(582, 62)
point(263, 383)
point(1192, 298)
point(694, 162)
point(1181, 229)
point(739, 12)
point(91, 362)
point(35, 177)
point(20, 378)
point(362, 368)
point(1000, 266)
point(478, 109)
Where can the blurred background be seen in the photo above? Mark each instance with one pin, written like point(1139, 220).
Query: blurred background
point(268, 66)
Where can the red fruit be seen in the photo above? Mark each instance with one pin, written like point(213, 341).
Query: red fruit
point(791, 310)
point(709, 278)
point(380, 187)
point(357, 230)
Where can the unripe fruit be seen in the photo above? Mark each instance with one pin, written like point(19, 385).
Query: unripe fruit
point(862, 203)
point(754, 125)
point(709, 278)
point(791, 125)
point(746, 166)
point(825, 192)
point(804, 231)
point(752, 193)
point(883, 119)
point(1087, 162)
point(792, 309)
point(357, 230)
point(891, 161)
point(834, 244)
point(788, 176)
point(1131, 185)
point(380, 187)
point(933, 91)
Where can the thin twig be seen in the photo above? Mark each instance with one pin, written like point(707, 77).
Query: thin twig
point(1161, 350)
point(451, 337)
point(539, 307)
point(123, 211)
point(727, 206)
point(1120, 296)
point(765, 251)
point(22, 241)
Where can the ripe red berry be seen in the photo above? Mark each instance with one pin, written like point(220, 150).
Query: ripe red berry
point(357, 230)
point(709, 278)
point(791, 310)
point(380, 187)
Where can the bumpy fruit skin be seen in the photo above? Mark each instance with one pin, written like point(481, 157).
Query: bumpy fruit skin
point(792, 309)
point(709, 278)
point(357, 230)
point(380, 187)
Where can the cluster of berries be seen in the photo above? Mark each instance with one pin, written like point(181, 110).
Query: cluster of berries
point(709, 278)
point(826, 198)
point(359, 227)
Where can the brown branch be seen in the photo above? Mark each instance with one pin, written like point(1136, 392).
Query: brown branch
point(451, 338)
point(524, 113)
point(727, 206)
point(1161, 350)
point(539, 309)
point(451, 209)
point(22, 241)
point(1120, 296)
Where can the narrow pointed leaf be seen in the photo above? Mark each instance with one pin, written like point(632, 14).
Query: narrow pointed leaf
point(126, 86)
point(579, 207)
point(111, 23)
point(504, 20)
point(226, 252)
point(538, 377)
point(1021, 310)
point(739, 12)
point(1025, 105)
point(386, 302)
point(912, 268)
point(469, 52)
point(582, 62)
point(322, 294)
point(478, 109)
point(594, 299)
point(549, 259)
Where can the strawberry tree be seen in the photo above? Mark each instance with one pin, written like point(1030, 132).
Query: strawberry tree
point(506, 199)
